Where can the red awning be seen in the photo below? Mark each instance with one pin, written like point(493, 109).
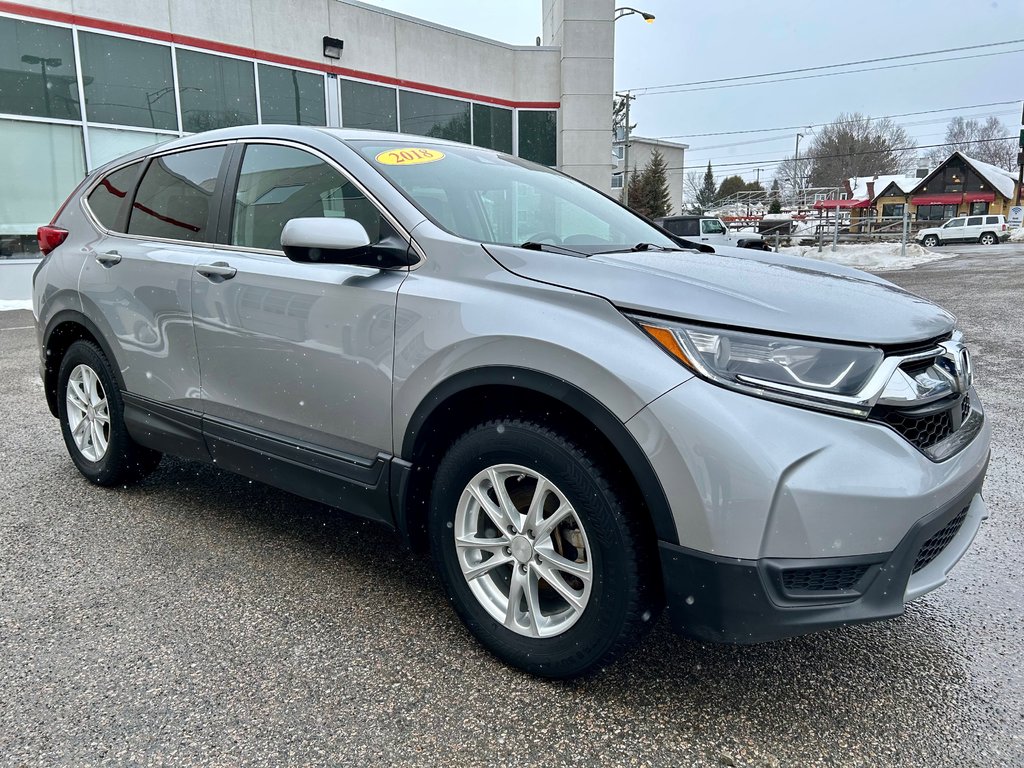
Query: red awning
point(979, 197)
point(939, 198)
point(820, 204)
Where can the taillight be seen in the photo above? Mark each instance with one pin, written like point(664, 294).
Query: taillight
point(1004, 227)
point(50, 237)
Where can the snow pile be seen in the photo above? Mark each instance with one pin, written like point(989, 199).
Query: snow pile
point(8, 304)
point(869, 256)
point(1017, 236)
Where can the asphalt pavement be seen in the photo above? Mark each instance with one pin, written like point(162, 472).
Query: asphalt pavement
point(201, 618)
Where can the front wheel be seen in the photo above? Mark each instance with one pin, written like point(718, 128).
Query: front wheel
point(930, 241)
point(538, 554)
point(91, 418)
point(988, 239)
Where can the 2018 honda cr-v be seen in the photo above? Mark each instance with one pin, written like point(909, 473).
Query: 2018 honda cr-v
point(582, 421)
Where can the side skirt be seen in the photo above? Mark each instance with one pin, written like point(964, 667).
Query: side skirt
point(359, 486)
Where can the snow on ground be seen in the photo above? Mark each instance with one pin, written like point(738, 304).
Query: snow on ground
point(869, 256)
point(7, 304)
point(1017, 236)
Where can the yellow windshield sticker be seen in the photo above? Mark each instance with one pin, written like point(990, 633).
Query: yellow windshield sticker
point(409, 156)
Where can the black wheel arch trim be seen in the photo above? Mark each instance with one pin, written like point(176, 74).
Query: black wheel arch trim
point(52, 366)
point(613, 429)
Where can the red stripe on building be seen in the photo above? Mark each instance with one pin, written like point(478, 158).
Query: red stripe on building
point(939, 198)
point(264, 56)
point(979, 197)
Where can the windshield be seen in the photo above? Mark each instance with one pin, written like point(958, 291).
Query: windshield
point(491, 197)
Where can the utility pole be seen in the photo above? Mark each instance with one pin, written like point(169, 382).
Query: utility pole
point(1020, 157)
point(625, 151)
point(796, 173)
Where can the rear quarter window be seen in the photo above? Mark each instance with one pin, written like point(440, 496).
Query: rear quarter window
point(682, 227)
point(109, 199)
point(991, 219)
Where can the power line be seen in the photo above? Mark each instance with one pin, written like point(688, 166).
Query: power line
point(789, 136)
point(842, 122)
point(831, 66)
point(830, 157)
point(641, 91)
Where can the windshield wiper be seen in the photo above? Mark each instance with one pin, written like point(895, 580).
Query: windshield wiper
point(640, 247)
point(530, 245)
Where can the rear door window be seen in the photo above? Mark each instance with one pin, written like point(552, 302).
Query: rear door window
point(974, 221)
point(109, 199)
point(176, 194)
point(277, 184)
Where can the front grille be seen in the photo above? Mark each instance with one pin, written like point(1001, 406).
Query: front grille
point(934, 546)
point(965, 408)
point(837, 579)
point(923, 431)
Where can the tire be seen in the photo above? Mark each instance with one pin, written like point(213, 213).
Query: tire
point(987, 238)
point(608, 615)
point(91, 415)
point(931, 241)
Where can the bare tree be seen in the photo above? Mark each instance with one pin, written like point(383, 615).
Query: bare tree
point(856, 145)
point(983, 141)
point(793, 175)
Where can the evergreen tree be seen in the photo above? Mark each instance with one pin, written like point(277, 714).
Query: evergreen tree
point(776, 204)
point(649, 194)
point(707, 194)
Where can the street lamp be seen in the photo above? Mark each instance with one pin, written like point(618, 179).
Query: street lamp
point(627, 11)
point(43, 64)
point(649, 18)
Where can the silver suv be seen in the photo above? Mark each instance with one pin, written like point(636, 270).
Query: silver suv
point(579, 420)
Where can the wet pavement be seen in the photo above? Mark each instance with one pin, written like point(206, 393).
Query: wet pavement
point(203, 618)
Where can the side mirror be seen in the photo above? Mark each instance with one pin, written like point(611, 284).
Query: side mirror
point(341, 241)
point(334, 241)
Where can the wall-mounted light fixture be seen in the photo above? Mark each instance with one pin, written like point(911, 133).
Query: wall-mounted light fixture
point(333, 47)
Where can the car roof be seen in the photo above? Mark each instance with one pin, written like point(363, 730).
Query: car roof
point(269, 131)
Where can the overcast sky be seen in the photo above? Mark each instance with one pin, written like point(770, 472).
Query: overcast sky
point(693, 41)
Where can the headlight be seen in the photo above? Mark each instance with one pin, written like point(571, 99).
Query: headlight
point(829, 376)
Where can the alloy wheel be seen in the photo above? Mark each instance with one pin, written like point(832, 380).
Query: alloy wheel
point(88, 413)
point(523, 550)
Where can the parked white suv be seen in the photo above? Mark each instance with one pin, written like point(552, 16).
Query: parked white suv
point(987, 230)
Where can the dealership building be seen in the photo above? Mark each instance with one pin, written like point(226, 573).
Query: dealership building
point(84, 81)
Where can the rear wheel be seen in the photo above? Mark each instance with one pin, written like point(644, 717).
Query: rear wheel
point(930, 241)
point(988, 239)
point(537, 551)
point(91, 418)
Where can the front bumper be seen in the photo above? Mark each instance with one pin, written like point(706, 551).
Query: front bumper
point(752, 601)
point(791, 520)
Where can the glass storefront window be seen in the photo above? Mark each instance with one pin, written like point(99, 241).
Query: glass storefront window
point(49, 163)
point(537, 140)
point(215, 92)
point(492, 127)
point(106, 144)
point(37, 70)
point(127, 82)
point(372, 107)
point(290, 97)
point(434, 116)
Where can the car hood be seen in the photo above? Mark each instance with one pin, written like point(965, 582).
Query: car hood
point(742, 288)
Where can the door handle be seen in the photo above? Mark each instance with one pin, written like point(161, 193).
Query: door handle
point(108, 259)
point(218, 269)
